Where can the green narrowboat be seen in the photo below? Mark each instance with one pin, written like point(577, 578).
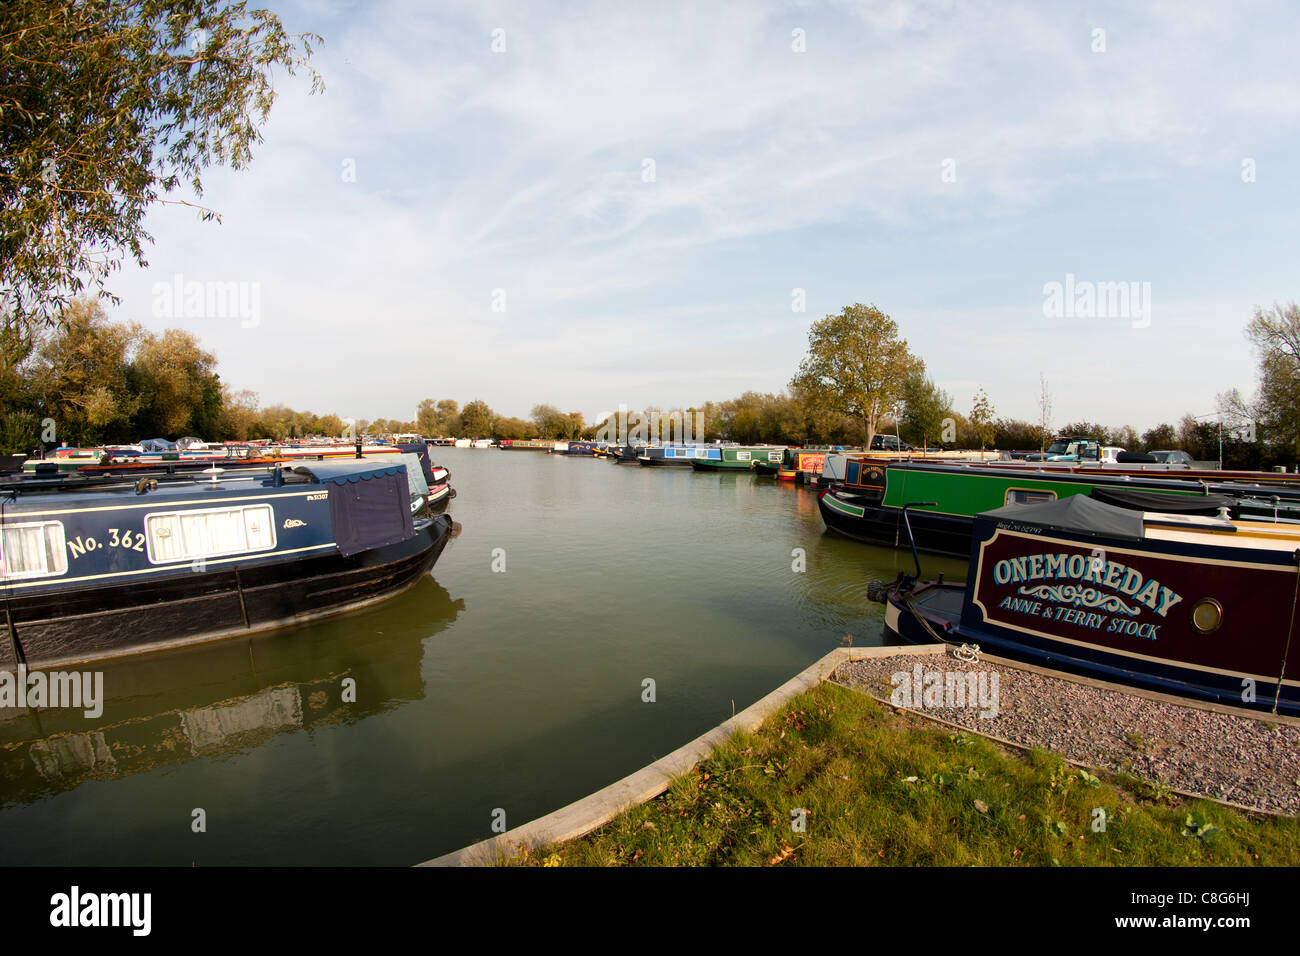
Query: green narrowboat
point(739, 458)
point(868, 504)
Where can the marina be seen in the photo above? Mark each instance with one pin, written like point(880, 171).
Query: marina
point(784, 615)
point(546, 710)
point(652, 437)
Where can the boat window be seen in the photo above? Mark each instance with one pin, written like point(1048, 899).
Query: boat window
point(186, 535)
point(742, 456)
point(32, 550)
point(1021, 496)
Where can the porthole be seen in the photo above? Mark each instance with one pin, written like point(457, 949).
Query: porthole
point(1207, 615)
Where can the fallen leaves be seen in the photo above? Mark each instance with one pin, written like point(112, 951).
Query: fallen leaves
point(784, 854)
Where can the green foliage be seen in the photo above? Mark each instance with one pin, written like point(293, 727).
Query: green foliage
point(1087, 430)
point(856, 364)
point(1010, 433)
point(107, 106)
point(1275, 334)
point(477, 419)
point(550, 422)
point(20, 432)
point(439, 419)
point(981, 418)
point(513, 428)
point(1161, 438)
point(925, 406)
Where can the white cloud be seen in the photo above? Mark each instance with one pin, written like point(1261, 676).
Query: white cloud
point(523, 171)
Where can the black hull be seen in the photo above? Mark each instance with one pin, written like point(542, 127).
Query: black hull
point(96, 623)
point(665, 462)
point(933, 533)
point(942, 611)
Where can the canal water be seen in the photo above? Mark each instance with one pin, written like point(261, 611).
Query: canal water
point(507, 683)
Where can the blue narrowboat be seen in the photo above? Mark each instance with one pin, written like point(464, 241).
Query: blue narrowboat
point(99, 567)
point(680, 456)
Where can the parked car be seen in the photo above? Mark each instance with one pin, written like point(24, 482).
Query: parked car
point(1060, 448)
point(1174, 457)
point(889, 443)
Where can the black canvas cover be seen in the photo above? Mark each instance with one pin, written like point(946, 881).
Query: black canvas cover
point(371, 512)
point(1158, 501)
point(1077, 514)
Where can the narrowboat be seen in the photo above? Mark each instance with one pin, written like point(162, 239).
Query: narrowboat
point(526, 444)
point(867, 504)
point(1197, 606)
point(584, 449)
point(625, 454)
point(738, 458)
point(674, 456)
point(100, 567)
point(802, 465)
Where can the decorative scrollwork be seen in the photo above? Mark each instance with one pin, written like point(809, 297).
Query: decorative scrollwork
point(1079, 597)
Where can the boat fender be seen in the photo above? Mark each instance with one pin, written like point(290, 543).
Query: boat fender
point(145, 484)
point(877, 591)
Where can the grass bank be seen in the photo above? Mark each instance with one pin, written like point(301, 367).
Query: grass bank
point(837, 779)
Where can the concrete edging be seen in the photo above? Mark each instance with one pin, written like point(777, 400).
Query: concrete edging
point(581, 817)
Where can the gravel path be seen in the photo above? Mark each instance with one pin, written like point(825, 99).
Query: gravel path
point(1226, 757)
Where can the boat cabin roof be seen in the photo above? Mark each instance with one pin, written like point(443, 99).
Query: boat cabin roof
point(75, 492)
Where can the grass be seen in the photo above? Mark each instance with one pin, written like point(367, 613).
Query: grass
point(879, 788)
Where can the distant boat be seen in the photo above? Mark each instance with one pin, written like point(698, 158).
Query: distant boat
point(625, 454)
point(98, 567)
point(802, 465)
point(740, 458)
point(526, 444)
point(673, 456)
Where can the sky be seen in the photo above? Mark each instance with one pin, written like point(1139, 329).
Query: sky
point(590, 205)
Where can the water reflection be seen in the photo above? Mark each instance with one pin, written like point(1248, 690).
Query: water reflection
point(167, 709)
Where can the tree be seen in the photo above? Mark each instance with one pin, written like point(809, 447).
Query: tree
point(1044, 413)
point(1161, 438)
point(477, 419)
point(550, 421)
point(1126, 437)
point(107, 106)
point(981, 419)
point(238, 415)
point(1013, 433)
point(177, 385)
point(925, 406)
point(448, 418)
point(856, 364)
point(513, 428)
point(1088, 430)
point(1200, 439)
point(1275, 334)
point(426, 418)
point(84, 377)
